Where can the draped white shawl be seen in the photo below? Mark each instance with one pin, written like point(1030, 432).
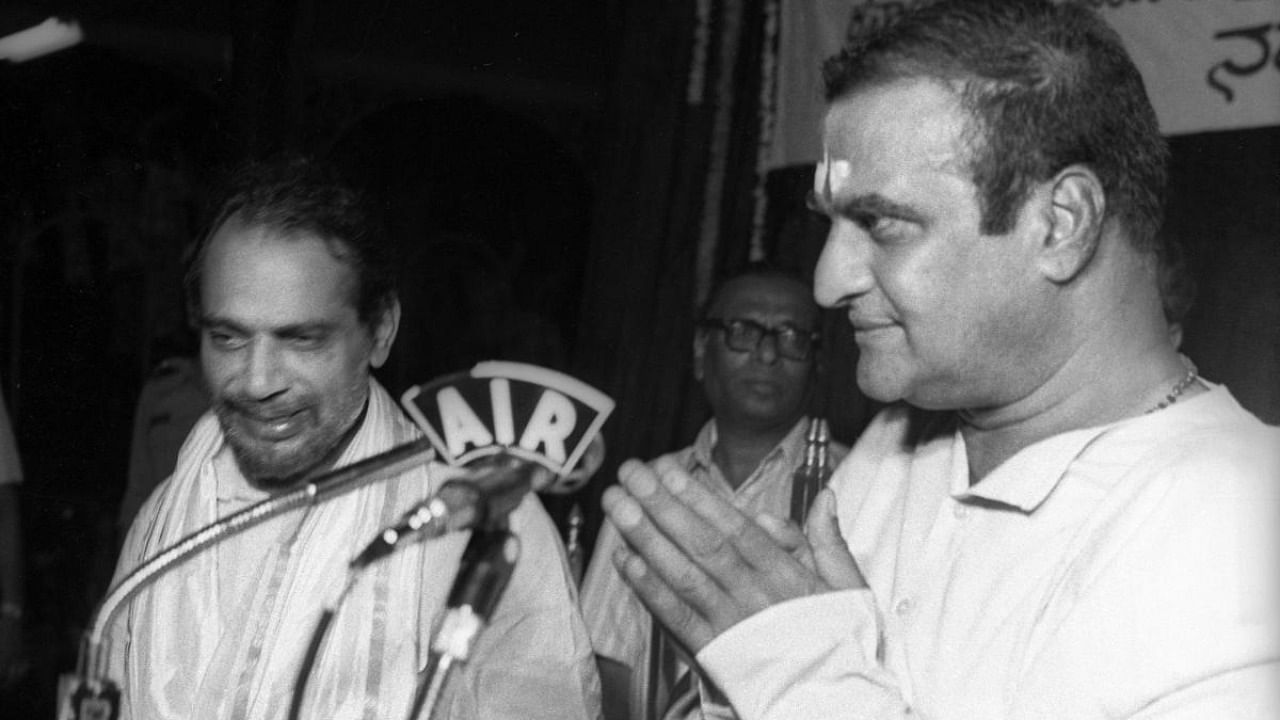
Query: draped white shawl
point(178, 655)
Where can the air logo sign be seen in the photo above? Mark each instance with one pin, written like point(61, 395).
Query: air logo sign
point(529, 411)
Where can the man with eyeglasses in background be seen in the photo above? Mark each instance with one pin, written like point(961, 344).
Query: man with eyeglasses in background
point(754, 352)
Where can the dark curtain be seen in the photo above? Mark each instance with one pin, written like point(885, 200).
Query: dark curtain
point(1224, 208)
point(639, 292)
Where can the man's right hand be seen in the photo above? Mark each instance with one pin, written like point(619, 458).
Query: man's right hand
point(701, 566)
point(820, 546)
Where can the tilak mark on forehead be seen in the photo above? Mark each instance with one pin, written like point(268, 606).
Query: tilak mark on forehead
point(831, 176)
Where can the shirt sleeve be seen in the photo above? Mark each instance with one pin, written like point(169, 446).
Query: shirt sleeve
point(813, 657)
point(618, 624)
point(533, 661)
point(613, 614)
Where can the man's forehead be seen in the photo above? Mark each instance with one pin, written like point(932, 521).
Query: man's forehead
point(279, 277)
point(777, 296)
point(242, 239)
point(910, 122)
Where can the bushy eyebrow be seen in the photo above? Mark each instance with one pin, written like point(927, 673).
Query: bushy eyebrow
point(285, 331)
point(207, 322)
point(301, 329)
point(784, 325)
point(858, 205)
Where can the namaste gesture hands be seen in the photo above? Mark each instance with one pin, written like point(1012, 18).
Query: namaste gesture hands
point(701, 566)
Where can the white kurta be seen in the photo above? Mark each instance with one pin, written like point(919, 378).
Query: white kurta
point(224, 635)
point(1126, 571)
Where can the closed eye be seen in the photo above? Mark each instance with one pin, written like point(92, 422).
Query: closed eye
point(883, 228)
point(307, 340)
point(872, 211)
point(307, 336)
point(224, 340)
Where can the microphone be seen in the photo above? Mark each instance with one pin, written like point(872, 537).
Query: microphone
point(488, 492)
point(486, 567)
point(489, 489)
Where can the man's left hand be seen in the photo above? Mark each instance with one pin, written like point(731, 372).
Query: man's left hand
point(701, 566)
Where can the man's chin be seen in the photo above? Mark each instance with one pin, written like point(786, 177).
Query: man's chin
point(880, 383)
point(277, 472)
point(880, 394)
point(771, 418)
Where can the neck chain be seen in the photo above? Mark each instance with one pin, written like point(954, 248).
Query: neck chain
point(1178, 388)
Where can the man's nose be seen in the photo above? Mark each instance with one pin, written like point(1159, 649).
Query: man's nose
point(766, 350)
point(844, 267)
point(263, 374)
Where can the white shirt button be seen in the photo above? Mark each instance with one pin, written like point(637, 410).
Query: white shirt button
point(961, 511)
point(903, 607)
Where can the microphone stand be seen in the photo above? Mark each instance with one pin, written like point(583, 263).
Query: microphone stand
point(96, 693)
point(483, 570)
point(487, 564)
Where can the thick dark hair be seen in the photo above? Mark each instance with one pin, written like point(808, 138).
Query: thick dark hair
point(302, 196)
point(1045, 85)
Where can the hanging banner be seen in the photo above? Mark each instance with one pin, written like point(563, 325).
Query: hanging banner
point(1208, 64)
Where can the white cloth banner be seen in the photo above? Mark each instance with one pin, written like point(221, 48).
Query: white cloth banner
point(1208, 64)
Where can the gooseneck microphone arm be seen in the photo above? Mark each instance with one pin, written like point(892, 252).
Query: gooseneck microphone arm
point(325, 487)
point(481, 497)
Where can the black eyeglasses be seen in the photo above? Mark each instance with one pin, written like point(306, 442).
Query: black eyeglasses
point(742, 335)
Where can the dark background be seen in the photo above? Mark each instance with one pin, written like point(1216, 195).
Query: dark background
point(546, 170)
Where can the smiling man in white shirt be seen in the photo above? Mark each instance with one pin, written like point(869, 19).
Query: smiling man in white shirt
point(1057, 518)
point(294, 289)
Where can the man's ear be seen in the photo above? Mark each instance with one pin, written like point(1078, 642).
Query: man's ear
point(699, 353)
point(384, 333)
point(1075, 212)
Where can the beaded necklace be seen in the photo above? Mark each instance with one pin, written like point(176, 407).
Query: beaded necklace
point(1178, 388)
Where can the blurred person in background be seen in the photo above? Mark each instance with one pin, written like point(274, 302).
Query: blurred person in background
point(173, 398)
point(755, 352)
